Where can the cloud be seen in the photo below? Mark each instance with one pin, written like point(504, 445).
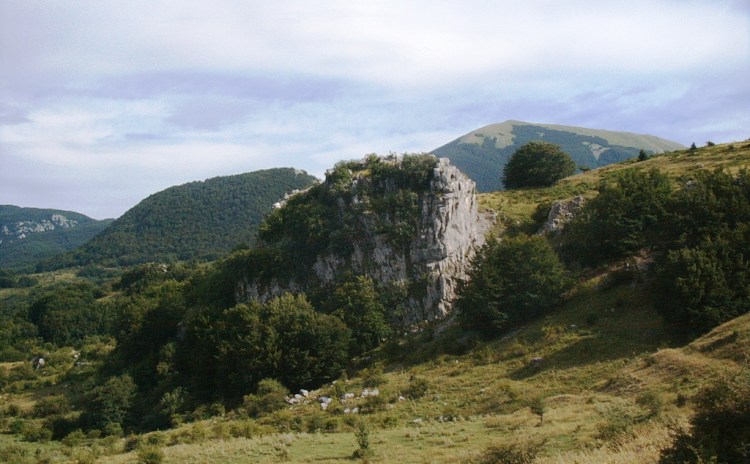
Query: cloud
point(115, 100)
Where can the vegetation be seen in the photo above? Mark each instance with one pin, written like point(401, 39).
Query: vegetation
point(23, 253)
point(537, 164)
point(177, 371)
point(511, 281)
point(484, 156)
point(199, 220)
point(720, 430)
point(625, 216)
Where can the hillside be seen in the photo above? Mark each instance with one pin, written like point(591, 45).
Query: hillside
point(202, 220)
point(29, 235)
point(162, 364)
point(482, 153)
point(515, 208)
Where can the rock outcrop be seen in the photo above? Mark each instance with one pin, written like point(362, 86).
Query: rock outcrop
point(560, 214)
point(426, 265)
point(22, 229)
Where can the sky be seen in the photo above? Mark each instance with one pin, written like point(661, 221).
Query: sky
point(105, 103)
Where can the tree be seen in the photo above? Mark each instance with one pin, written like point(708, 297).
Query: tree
point(621, 220)
point(227, 352)
point(642, 155)
point(720, 429)
point(108, 404)
point(357, 303)
point(511, 282)
point(537, 164)
point(704, 277)
point(537, 406)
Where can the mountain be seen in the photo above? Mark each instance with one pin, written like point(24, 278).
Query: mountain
point(482, 153)
point(28, 235)
point(202, 219)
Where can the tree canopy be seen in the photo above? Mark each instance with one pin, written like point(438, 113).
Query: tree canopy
point(512, 281)
point(537, 164)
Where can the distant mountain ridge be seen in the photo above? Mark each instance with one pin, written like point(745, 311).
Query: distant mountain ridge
point(482, 153)
point(28, 235)
point(202, 219)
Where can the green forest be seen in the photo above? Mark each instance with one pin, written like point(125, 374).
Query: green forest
point(199, 220)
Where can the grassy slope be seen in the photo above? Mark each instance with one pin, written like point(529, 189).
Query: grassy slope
point(605, 350)
point(590, 378)
point(515, 207)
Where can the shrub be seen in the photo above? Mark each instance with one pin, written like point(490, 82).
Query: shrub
point(625, 217)
point(651, 402)
point(373, 376)
point(720, 429)
point(701, 287)
point(537, 407)
point(33, 431)
point(74, 438)
point(50, 406)
point(108, 404)
point(511, 282)
point(537, 164)
point(417, 388)
point(271, 396)
point(362, 434)
point(150, 454)
point(512, 453)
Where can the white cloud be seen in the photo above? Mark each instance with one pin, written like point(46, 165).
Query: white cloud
point(131, 97)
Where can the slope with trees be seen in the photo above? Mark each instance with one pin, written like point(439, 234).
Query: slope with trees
point(199, 220)
point(29, 235)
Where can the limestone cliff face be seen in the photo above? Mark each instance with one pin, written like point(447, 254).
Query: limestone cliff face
point(426, 266)
point(22, 229)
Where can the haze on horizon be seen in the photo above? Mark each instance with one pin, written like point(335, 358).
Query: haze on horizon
point(105, 103)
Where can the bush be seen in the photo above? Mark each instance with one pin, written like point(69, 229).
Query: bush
point(720, 429)
point(651, 402)
point(373, 376)
point(74, 439)
point(701, 287)
point(537, 164)
point(704, 278)
point(511, 453)
point(417, 388)
point(109, 404)
point(50, 406)
point(511, 282)
point(271, 396)
point(362, 433)
point(626, 216)
point(150, 454)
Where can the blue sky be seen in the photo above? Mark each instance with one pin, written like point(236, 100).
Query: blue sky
point(105, 103)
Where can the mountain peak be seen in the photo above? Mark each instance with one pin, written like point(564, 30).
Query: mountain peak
point(482, 153)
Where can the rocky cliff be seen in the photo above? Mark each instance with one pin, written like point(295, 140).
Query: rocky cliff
point(410, 223)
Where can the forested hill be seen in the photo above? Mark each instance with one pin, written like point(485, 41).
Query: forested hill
point(481, 154)
point(28, 235)
point(202, 220)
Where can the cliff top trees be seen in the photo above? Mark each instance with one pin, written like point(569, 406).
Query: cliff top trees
point(537, 164)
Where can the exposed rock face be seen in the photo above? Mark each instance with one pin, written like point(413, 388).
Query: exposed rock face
point(427, 266)
point(561, 213)
point(23, 229)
